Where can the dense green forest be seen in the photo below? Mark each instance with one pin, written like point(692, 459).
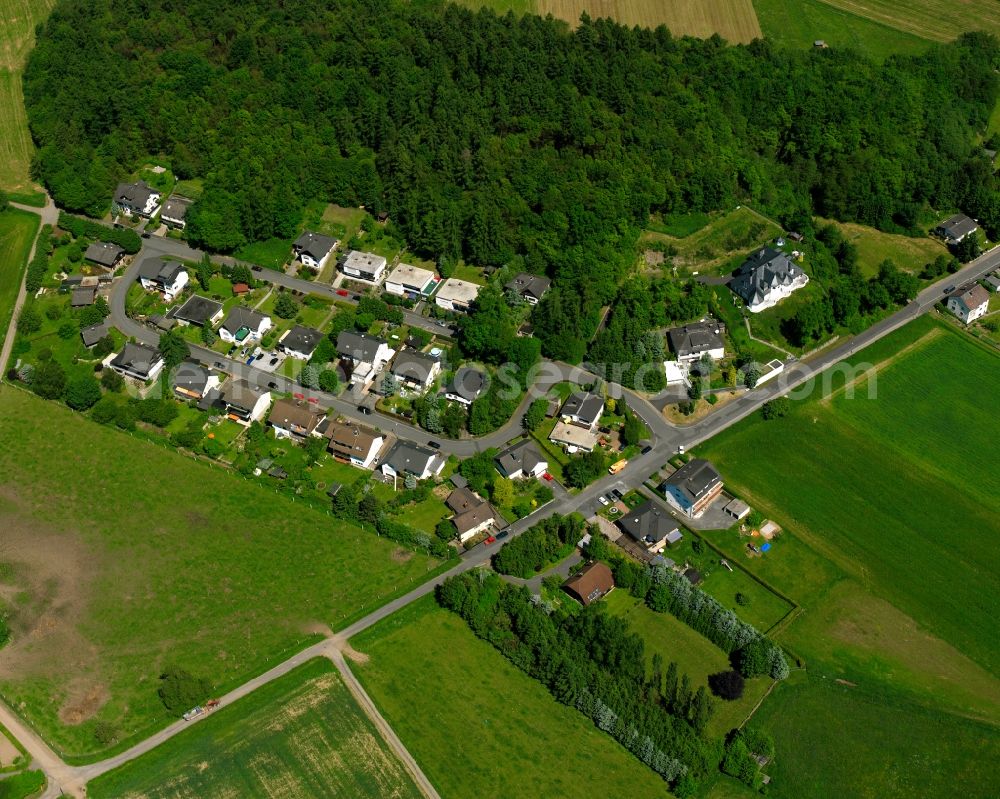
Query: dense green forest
point(497, 139)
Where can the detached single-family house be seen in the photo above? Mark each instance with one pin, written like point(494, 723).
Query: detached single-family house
point(472, 514)
point(405, 458)
point(243, 403)
point(243, 325)
point(693, 487)
point(138, 362)
point(583, 409)
point(300, 342)
point(530, 288)
point(409, 281)
point(521, 460)
point(466, 386)
point(192, 381)
point(198, 310)
point(82, 296)
point(414, 370)
point(969, 302)
point(590, 583)
point(650, 526)
point(574, 438)
point(104, 253)
point(691, 342)
point(91, 335)
point(766, 278)
point(167, 277)
point(456, 295)
point(174, 213)
point(364, 355)
point(364, 266)
point(354, 443)
point(291, 419)
point(956, 228)
point(136, 199)
point(314, 249)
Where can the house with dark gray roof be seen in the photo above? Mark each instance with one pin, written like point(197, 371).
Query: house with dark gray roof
point(415, 370)
point(91, 335)
point(956, 228)
point(650, 525)
point(243, 325)
point(697, 339)
point(174, 213)
point(766, 278)
point(243, 402)
point(530, 288)
point(104, 253)
point(136, 199)
point(693, 487)
point(583, 409)
point(466, 386)
point(300, 342)
point(191, 381)
point(521, 460)
point(405, 458)
point(362, 356)
point(198, 311)
point(314, 249)
point(138, 362)
point(160, 274)
point(83, 296)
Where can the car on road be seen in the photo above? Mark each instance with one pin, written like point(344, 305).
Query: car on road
point(616, 492)
point(364, 410)
point(490, 540)
point(503, 534)
point(434, 445)
point(442, 324)
point(603, 500)
point(343, 293)
point(646, 449)
point(547, 476)
point(220, 365)
point(146, 235)
point(949, 290)
point(272, 384)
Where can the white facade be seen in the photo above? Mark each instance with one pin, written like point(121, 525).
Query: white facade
point(968, 312)
point(778, 293)
point(456, 295)
point(253, 334)
point(406, 279)
point(169, 291)
point(364, 266)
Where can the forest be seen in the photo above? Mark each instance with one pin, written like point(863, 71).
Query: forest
point(498, 140)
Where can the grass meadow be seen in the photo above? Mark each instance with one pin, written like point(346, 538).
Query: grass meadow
point(300, 736)
point(17, 232)
point(121, 557)
point(874, 246)
point(480, 727)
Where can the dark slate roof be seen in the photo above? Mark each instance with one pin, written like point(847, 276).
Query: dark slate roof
point(197, 310)
point(91, 335)
point(192, 376)
point(135, 194)
point(314, 244)
point(359, 346)
point(160, 270)
point(302, 339)
point(407, 457)
point(414, 366)
point(240, 394)
point(176, 208)
point(136, 358)
point(84, 295)
point(584, 405)
point(958, 226)
point(526, 283)
point(695, 478)
point(467, 383)
point(696, 338)
point(649, 522)
point(242, 316)
point(104, 253)
point(763, 272)
point(523, 456)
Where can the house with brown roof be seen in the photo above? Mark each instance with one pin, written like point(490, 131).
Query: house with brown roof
point(473, 515)
point(591, 583)
point(293, 419)
point(354, 443)
point(969, 302)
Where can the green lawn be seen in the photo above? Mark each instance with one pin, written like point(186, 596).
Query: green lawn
point(424, 515)
point(273, 253)
point(17, 232)
point(694, 655)
point(679, 225)
point(192, 189)
point(800, 23)
point(835, 741)
point(901, 492)
point(478, 726)
point(875, 246)
point(131, 557)
point(300, 736)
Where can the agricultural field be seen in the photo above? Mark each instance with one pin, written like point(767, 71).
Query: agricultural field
point(17, 36)
point(448, 694)
point(938, 20)
point(302, 735)
point(17, 232)
point(121, 557)
point(908, 253)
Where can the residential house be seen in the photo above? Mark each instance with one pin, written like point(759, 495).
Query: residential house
point(651, 526)
point(364, 266)
point(693, 341)
point(693, 487)
point(159, 274)
point(767, 277)
point(530, 288)
point(405, 458)
point(472, 514)
point(174, 213)
point(244, 325)
point(136, 199)
point(104, 253)
point(83, 296)
point(573, 437)
point(244, 403)
point(410, 281)
point(414, 370)
point(314, 249)
point(521, 460)
point(466, 386)
point(300, 342)
point(354, 443)
point(956, 228)
point(992, 282)
point(91, 335)
point(138, 362)
point(969, 302)
point(583, 409)
point(293, 419)
point(456, 295)
point(364, 356)
point(192, 381)
point(199, 311)
point(590, 583)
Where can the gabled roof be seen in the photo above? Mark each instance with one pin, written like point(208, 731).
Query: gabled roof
point(695, 478)
point(414, 366)
point(526, 283)
point(301, 339)
point(649, 522)
point(137, 358)
point(585, 406)
point(82, 296)
point(971, 295)
point(467, 383)
point(242, 316)
point(591, 583)
point(288, 413)
point(461, 499)
point(315, 245)
point(359, 346)
point(763, 272)
point(406, 457)
point(475, 516)
point(160, 270)
point(696, 338)
point(958, 226)
point(176, 208)
point(134, 194)
point(350, 437)
point(191, 376)
point(197, 310)
point(240, 394)
point(520, 457)
point(104, 253)
point(91, 335)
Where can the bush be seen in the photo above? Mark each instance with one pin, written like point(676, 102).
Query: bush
point(742, 599)
point(105, 411)
point(754, 659)
point(180, 690)
point(48, 380)
point(112, 381)
point(727, 684)
point(82, 392)
point(776, 408)
point(328, 381)
point(30, 321)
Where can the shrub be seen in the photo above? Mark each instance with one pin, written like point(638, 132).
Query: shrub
point(82, 392)
point(112, 381)
point(742, 599)
point(180, 690)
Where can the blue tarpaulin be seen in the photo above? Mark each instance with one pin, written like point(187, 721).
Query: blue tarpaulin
point(765, 547)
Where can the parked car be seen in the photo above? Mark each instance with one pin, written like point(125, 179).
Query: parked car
point(146, 235)
point(434, 445)
point(547, 476)
point(503, 534)
point(603, 500)
point(646, 449)
point(617, 493)
point(343, 293)
point(273, 361)
point(490, 540)
point(949, 290)
point(363, 409)
point(272, 384)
